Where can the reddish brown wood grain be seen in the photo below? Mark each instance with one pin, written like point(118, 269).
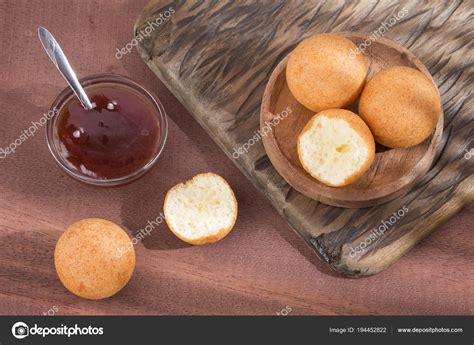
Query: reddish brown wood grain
point(260, 268)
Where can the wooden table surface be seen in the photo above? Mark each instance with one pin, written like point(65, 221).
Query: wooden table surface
point(261, 268)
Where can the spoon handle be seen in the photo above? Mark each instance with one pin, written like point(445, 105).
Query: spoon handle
point(58, 58)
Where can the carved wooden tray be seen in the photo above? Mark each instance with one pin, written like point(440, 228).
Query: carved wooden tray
point(216, 58)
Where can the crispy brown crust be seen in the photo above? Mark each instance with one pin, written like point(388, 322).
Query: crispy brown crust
point(312, 76)
point(80, 243)
point(359, 126)
point(401, 106)
point(205, 239)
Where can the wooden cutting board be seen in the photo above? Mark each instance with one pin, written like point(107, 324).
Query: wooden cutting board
point(216, 58)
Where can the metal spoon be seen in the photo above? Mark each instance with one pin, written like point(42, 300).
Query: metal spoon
point(58, 58)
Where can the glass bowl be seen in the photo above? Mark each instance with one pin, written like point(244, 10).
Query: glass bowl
point(88, 83)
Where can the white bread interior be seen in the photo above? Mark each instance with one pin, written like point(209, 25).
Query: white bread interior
point(333, 150)
point(201, 210)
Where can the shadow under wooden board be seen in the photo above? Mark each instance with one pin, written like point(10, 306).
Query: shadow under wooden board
point(217, 56)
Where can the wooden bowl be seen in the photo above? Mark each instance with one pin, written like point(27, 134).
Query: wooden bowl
point(393, 172)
